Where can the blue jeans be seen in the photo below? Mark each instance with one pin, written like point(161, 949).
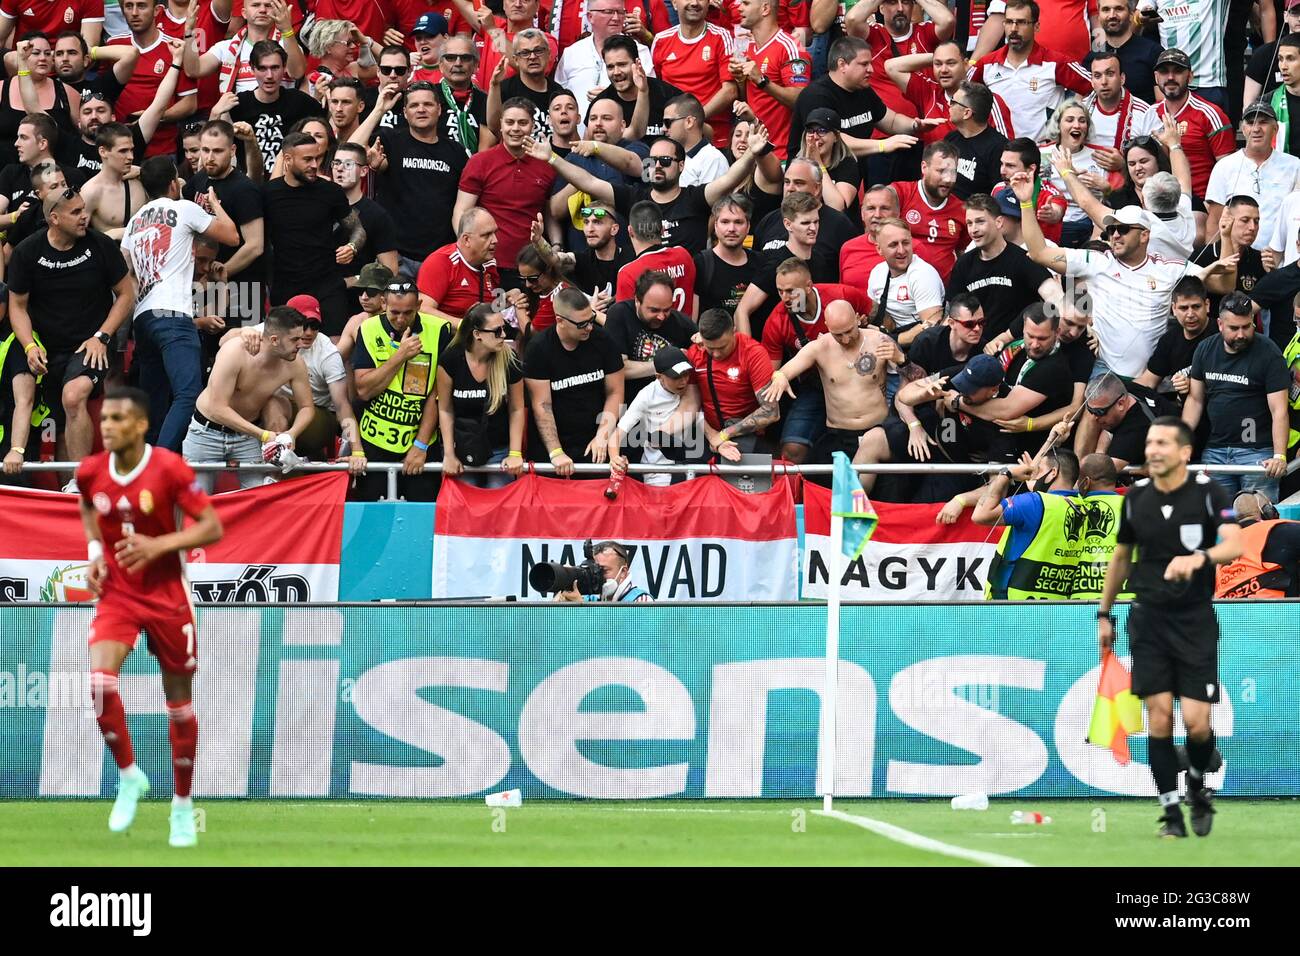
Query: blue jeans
point(171, 373)
point(409, 268)
point(1242, 456)
point(498, 479)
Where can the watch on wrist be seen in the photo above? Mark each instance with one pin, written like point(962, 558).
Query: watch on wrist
point(103, 337)
point(1105, 616)
point(762, 81)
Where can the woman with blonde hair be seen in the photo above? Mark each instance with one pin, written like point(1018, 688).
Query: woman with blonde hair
point(480, 387)
point(1068, 131)
point(342, 51)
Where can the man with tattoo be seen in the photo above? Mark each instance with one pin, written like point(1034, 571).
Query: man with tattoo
point(731, 372)
point(852, 362)
point(301, 212)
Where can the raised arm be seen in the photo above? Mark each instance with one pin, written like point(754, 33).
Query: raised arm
point(579, 177)
point(900, 68)
point(728, 182)
point(1031, 231)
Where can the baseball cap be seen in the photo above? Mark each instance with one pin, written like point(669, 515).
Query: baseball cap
point(1291, 4)
point(307, 305)
point(827, 118)
point(1175, 56)
point(670, 360)
point(1007, 202)
point(1261, 107)
point(430, 24)
point(374, 277)
point(1127, 216)
point(980, 372)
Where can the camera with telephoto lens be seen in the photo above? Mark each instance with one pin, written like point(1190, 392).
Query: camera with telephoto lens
point(553, 577)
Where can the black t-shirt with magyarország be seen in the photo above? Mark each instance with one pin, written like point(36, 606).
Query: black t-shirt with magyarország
point(418, 188)
point(1164, 525)
point(69, 292)
point(686, 218)
point(577, 379)
point(1005, 285)
point(1237, 388)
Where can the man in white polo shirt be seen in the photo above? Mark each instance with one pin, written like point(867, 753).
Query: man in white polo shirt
point(1130, 290)
point(904, 288)
point(1257, 170)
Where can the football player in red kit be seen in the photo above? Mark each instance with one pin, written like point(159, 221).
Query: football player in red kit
point(132, 495)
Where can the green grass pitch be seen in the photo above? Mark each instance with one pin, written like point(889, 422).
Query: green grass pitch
point(647, 833)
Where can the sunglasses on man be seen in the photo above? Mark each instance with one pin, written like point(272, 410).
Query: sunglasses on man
point(1117, 231)
point(971, 324)
point(593, 212)
point(1099, 412)
point(399, 70)
point(578, 325)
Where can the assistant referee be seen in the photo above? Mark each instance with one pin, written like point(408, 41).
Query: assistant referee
point(1173, 521)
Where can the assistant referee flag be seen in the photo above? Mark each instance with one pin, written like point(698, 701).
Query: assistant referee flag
point(1117, 713)
point(850, 502)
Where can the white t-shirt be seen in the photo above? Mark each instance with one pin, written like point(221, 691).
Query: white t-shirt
point(582, 68)
point(648, 413)
point(1083, 162)
point(705, 166)
point(1130, 305)
point(324, 367)
point(159, 246)
point(1173, 238)
point(917, 289)
point(1237, 175)
point(1285, 229)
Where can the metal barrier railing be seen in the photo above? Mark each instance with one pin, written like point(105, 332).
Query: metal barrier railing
point(394, 468)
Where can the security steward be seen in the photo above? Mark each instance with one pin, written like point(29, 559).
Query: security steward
point(1174, 530)
point(395, 360)
point(1097, 527)
point(1269, 566)
point(1035, 559)
point(22, 407)
point(1291, 356)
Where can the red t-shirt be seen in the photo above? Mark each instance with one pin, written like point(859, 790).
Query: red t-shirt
point(1207, 137)
point(858, 257)
point(930, 102)
point(1063, 26)
point(51, 17)
point(207, 31)
point(140, 89)
point(780, 338)
point(545, 315)
point(938, 233)
point(454, 284)
point(145, 503)
point(698, 65)
point(885, 46)
point(674, 260)
point(736, 378)
point(513, 190)
point(488, 55)
point(785, 63)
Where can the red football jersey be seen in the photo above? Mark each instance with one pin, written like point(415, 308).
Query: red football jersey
point(885, 46)
point(51, 17)
point(858, 257)
point(698, 65)
point(938, 232)
point(929, 101)
point(785, 63)
point(783, 339)
point(207, 31)
point(675, 261)
point(1207, 137)
point(147, 501)
point(454, 284)
point(140, 89)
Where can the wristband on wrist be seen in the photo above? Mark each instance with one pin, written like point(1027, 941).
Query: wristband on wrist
point(515, 454)
point(555, 453)
point(29, 347)
point(285, 34)
point(880, 146)
point(1175, 146)
point(595, 148)
point(266, 437)
point(915, 424)
point(94, 551)
point(723, 436)
point(961, 500)
point(1105, 616)
point(94, 52)
point(176, 66)
point(1280, 457)
point(18, 448)
point(1026, 205)
point(1029, 424)
point(422, 445)
point(24, 72)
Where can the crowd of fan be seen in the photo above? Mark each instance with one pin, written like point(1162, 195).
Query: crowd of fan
point(620, 230)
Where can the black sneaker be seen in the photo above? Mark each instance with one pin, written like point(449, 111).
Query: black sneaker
point(1171, 823)
point(1201, 799)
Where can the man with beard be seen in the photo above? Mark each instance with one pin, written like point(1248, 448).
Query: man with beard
point(724, 271)
point(932, 211)
point(464, 105)
point(929, 81)
point(642, 325)
point(72, 62)
point(1239, 381)
point(531, 59)
point(1137, 53)
point(302, 211)
point(345, 103)
point(418, 168)
point(1205, 129)
point(851, 362)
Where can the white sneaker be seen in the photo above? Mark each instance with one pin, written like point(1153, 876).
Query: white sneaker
point(183, 832)
point(71, 488)
point(129, 791)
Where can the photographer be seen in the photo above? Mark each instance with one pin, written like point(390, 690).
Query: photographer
point(614, 562)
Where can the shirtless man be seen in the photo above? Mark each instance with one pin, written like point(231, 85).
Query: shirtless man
point(852, 363)
point(111, 198)
point(224, 426)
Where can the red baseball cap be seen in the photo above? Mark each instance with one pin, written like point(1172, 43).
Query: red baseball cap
point(307, 305)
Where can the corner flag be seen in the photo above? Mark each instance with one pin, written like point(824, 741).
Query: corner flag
point(850, 502)
point(1117, 713)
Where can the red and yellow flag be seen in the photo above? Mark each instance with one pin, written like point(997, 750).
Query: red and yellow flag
point(1117, 713)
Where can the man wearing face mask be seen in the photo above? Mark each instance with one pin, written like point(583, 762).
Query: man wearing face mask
point(615, 563)
point(1269, 566)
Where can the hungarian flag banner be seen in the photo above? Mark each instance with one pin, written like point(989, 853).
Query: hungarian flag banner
point(281, 544)
point(697, 539)
point(1117, 713)
point(909, 557)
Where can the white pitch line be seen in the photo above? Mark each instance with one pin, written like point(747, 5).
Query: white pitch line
point(918, 842)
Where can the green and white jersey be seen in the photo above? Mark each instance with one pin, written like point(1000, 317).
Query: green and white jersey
point(1197, 28)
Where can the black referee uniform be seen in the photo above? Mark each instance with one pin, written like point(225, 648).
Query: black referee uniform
point(1173, 632)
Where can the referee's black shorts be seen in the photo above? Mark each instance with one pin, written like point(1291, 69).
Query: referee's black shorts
point(1175, 650)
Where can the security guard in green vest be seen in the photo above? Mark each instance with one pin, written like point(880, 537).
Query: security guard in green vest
point(22, 407)
point(1036, 558)
point(396, 360)
point(1291, 355)
point(1096, 526)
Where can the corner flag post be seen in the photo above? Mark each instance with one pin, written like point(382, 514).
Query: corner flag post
point(849, 503)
